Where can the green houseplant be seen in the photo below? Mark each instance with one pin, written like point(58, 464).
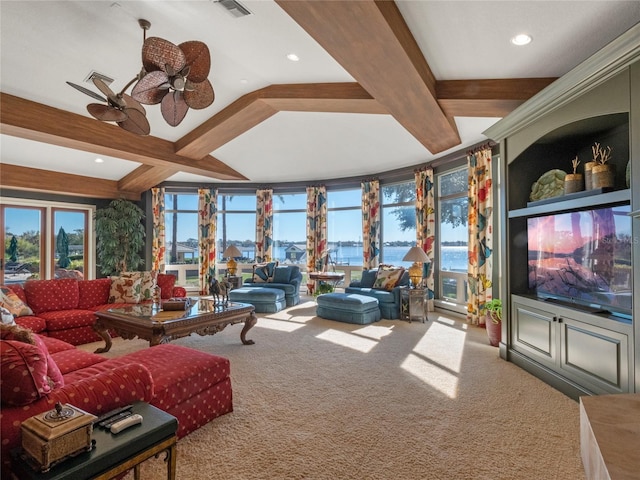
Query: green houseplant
point(119, 237)
point(493, 309)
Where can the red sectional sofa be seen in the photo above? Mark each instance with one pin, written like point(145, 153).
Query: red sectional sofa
point(193, 386)
point(65, 308)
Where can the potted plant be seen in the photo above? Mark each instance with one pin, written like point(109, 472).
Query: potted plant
point(493, 309)
point(119, 237)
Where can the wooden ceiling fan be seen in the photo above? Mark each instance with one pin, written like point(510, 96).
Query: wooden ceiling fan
point(173, 75)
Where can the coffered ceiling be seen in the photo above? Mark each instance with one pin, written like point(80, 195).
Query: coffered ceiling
point(378, 86)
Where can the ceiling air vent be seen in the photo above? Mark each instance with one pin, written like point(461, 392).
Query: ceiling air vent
point(234, 8)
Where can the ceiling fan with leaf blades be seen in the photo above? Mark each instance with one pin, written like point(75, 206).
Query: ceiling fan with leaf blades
point(176, 78)
point(173, 75)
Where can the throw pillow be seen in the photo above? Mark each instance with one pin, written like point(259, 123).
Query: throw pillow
point(125, 290)
point(20, 334)
point(23, 373)
point(166, 282)
point(263, 272)
point(147, 283)
point(368, 278)
point(6, 316)
point(11, 301)
point(387, 278)
point(282, 275)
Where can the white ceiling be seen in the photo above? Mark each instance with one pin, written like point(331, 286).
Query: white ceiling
point(45, 43)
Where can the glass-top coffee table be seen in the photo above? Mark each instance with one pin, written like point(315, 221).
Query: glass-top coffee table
point(157, 326)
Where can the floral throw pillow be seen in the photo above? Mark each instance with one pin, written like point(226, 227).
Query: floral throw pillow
point(125, 290)
point(11, 301)
point(387, 278)
point(148, 281)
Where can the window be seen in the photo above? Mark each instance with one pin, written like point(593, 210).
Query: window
point(31, 246)
point(237, 225)
point(398, 222)
point(344, 226)
point(69, 242)
point(289, 227)
point(451, 248)
point(181, 237)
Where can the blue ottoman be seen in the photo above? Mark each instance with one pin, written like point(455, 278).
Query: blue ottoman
point(348, 307)
point(266, 300)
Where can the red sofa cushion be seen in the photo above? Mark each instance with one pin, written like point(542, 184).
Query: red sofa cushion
point(18, 290)
point(23, 373)
point(65, 319)
point(70, 361)
point(50, 295)
point(93, 292)
point(33, 323)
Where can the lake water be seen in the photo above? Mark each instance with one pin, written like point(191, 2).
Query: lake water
point(453, 258)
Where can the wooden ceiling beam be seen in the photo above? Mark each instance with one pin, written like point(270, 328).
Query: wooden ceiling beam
point(257, 106)
point(371, 40)
point(36, 180)
point(144, 177)
point(486, 98)
point(35, 121)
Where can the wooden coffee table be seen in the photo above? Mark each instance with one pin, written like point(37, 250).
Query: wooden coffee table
point(158, 326)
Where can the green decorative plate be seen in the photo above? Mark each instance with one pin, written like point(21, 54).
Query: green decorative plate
point(550, 184)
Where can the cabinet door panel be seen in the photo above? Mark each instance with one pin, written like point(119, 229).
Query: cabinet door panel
point(534, 332)
point(595, 355)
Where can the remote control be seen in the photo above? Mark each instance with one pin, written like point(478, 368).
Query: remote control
point(116, 418)
point(130, 421)
point(110, 414)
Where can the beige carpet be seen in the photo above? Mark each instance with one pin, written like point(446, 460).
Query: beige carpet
point(317, 399)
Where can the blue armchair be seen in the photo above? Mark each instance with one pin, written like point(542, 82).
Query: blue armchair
point(388, 300)
point(285, 277)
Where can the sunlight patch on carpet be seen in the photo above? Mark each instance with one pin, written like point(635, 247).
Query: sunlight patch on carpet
point(443, 345)
point(344, 339)
point(434, 376)
point(374, 331)
point(274, 324)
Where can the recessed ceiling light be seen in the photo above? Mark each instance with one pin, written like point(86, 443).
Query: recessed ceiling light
point(99, 160)
point(293, 57)
point(244, 81)
point(522, 39)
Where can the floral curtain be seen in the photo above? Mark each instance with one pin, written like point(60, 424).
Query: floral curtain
point(157, 241)
point(264, 225)
point(316, 228)
point(207, 210)
point(480, 268)
point(425, 225)
point(370, 223)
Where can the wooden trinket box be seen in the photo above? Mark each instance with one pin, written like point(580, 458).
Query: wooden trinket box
point(50, 437)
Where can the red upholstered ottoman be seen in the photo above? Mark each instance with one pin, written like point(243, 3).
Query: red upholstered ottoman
point(193, 386)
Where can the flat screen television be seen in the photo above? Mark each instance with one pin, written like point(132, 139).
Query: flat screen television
point(583, 258)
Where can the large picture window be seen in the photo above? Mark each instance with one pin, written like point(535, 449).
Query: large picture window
point(289, 227)
point(43, 240)
point(344, 226)
point(398, 222)
point(453, 237)
point(181, 237)
point(237, 225)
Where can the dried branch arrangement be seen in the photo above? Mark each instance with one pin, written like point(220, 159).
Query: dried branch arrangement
point(600, 155)
point(575, 162)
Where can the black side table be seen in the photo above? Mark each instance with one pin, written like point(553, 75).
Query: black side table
point(113, 454)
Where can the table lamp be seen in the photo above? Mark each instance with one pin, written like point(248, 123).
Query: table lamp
point(231, 252)
point(418, 257)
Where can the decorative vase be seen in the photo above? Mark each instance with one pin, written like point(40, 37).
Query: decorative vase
point(603, 175)
point(573, 183)
point(494, 331)
point(587, 175)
